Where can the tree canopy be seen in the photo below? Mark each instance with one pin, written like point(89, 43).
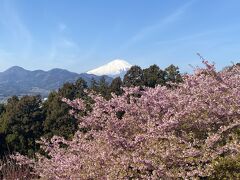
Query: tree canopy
point(21, 124)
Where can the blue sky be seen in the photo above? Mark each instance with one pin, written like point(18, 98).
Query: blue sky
point(79, 35)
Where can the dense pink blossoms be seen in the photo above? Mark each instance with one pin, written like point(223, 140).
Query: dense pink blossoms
point(166, 133)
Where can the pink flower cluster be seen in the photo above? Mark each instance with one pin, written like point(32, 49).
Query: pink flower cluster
point(161, 133)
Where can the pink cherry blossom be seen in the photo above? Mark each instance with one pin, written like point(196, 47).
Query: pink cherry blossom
point(163, 133)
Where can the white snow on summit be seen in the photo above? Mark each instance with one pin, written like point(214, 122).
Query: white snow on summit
point(113, 68)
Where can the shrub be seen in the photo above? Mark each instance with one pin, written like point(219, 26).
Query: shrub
point(10, 170)
point(227, 168)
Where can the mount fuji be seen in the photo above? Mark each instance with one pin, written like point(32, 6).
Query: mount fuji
point(117, 67)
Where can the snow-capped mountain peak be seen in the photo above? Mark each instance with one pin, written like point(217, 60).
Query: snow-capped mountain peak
point(117, 67)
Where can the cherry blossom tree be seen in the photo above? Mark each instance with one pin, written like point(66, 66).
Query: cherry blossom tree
point(161, 133)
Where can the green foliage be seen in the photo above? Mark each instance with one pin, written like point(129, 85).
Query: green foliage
point(134, 77)
point(58, 120)
point(21, 124)
point(73, 90)
point(23, 121)
point(153, 76)
point(80, 86)
point(94, 85)
point(116, 86)
point(68, 91)
point(227, 168)
point(2, 109)
point(103, 88)
point(172, 74)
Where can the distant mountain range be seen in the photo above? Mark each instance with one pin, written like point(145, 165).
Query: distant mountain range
point(117, 67)
point(19, 81)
